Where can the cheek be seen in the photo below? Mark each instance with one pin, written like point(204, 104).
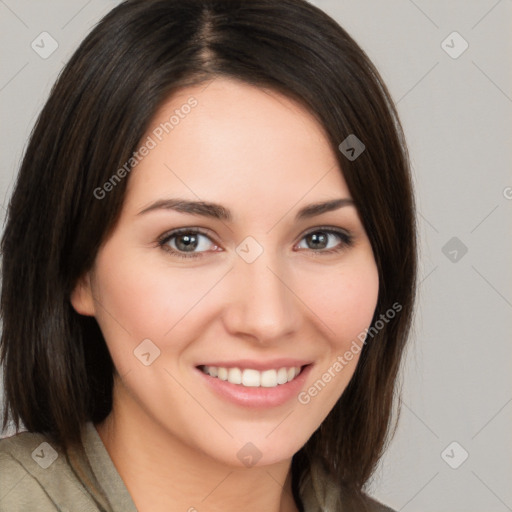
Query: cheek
point(138, 299)
point(345, 305)
point(345, 300)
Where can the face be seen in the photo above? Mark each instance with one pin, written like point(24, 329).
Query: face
point(220, 264)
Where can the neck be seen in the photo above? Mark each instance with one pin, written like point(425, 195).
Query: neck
point(158, 470)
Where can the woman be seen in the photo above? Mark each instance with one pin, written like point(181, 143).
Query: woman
point(208, 268)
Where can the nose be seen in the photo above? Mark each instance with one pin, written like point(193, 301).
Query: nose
point(261, 302)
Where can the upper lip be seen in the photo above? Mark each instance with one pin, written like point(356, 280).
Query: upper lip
point(273, 364)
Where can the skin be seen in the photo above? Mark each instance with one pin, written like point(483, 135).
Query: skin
point(263, 156)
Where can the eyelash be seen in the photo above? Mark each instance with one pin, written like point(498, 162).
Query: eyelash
point(346, 240)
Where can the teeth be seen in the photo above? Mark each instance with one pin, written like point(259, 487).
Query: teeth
point(282, 376)
point(235, 376)
point(253, 378)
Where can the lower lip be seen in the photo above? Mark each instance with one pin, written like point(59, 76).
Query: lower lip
point(257, 397)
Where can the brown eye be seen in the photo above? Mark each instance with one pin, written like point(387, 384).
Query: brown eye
point(187, 243)
point(326, 240)
point(318, 240)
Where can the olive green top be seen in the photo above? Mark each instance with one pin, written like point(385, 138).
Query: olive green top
point(35, 476)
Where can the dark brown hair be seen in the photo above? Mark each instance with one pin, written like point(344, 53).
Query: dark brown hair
point(58, 372)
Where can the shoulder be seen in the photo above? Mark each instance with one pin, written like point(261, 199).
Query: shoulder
point(20, 488)
point(27, 452)
point(36, 475)
point(375, 506)
point(321, 491)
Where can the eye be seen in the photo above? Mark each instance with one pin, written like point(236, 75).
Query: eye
point(187, 243)
point(326, 240)
point(192, 242)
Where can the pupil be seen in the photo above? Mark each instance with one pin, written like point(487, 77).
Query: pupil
point(318, 239)
point(186, 242)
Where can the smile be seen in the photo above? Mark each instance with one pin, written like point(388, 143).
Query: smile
point(252, 378)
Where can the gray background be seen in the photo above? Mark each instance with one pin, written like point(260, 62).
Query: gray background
point(457, 112)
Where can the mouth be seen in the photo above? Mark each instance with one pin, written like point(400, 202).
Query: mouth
point(266, 386)
point(252, 378)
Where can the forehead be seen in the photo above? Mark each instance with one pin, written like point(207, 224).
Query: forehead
point(226, 139)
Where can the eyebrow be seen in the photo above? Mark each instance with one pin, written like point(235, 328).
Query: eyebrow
point(217, 211)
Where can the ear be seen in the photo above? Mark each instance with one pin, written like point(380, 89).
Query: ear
point(81, 297)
